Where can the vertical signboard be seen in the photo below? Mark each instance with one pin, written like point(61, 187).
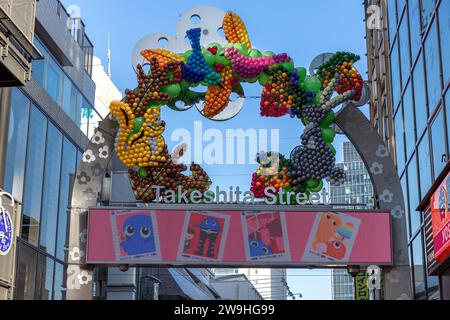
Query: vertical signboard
point(361, 288)
point(440, 216)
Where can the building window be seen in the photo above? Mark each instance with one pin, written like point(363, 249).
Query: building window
point(392, 12)
point(432, 65)
point(419, 97)
point(34, 176)
point(59, 291)
point(425, 164)
point(54, 81)
point(17, 144)
point(67, 173)
point(414, 195)
point(44, 278)
point(418, 268)
point(408, 109)
point(395, 65)
point(25, 273)
point(444, 21)
point(414, 27)
point(439, 144)
point(427, 8)
point(51, 190)
point(404, 50)
point(399, 139)
point(405, 197)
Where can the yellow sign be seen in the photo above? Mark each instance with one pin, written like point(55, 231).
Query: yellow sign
point(361, 289)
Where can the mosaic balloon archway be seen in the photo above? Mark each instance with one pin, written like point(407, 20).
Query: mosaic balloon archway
point(135, 130)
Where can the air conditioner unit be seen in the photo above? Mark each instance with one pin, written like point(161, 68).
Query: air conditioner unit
point(17, 20)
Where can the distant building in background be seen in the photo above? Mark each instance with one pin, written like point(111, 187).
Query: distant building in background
point(236, 287)
point(270, 283)
point(106, 92)
point(357, 190)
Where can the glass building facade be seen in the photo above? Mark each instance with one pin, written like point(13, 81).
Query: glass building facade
point(43, 151)
point(415, 47)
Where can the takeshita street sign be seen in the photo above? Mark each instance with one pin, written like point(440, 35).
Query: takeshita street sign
point(134, 131)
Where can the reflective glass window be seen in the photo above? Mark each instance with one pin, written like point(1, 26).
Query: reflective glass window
point(60, 282)
point(432, 67)
point(405, 195)
point(444, 21)
point(418, 268)
point(410, 125)
point(414, 27)
point(392, 12)
point(425, 164)
point(25, 273)
point(54, 81)
point(67, 172)
point(414, 195)
point(44, 290)
point(51, 189)
point(427, 8)
point(439, 144)
point(39, 67)
point(399, 140)
point(420, 97)
point(404, 51)
point(395, 67)
point(17, 144)
point(34, 176)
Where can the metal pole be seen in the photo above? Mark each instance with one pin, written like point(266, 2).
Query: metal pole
point(5, 110)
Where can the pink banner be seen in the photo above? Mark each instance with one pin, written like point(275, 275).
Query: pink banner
point(238, 238)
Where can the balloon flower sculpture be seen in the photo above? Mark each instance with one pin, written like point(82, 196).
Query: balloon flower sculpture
point(287, 90)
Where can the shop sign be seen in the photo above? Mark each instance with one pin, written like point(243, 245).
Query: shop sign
point(440, 215)
point(361, 288)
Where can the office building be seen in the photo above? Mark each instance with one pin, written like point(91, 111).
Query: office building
point(43, 148)
point(409, 71)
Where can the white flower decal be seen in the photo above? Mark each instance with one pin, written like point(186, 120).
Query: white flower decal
point(98, 138)
point(84, 278)
point(382, 151)
point(376, 168)
point(76, 254)
point(397, 212)
point(387, 196)
point(88, 156)
point(103, 152)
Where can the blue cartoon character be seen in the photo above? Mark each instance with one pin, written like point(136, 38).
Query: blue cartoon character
point(209, 229)
point(258, 248)
point(137, 235)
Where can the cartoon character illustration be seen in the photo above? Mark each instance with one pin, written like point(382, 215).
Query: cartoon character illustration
point(327, 230)
point(336, 249)
point(189, 236)
point(209, 229)
point(137, 235)
point(258, 248)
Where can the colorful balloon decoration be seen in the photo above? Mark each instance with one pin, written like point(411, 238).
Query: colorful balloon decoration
point(287, 90)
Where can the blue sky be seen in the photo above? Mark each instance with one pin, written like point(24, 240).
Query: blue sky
point(301, 28)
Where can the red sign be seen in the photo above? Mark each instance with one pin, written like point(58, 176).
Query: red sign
point(217, 238)
point(440, 215)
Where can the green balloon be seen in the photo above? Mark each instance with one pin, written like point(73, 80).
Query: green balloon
point(332, 149)
point(318, 188)
point(142, 173)
point(289, 66)
point(242, 48)
point(138, 122)
point(328, 135)
point(172, 90)
point(313, 84)
point(252, 80)
point(255, 53)
point(312, 183)
point(184, 84)
point(268, 54)
point(210, 58)
point(316, 99)
point(263, 79)
point(223, 60)
point(301, 73)
point(187, 54)
point(329, 119)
